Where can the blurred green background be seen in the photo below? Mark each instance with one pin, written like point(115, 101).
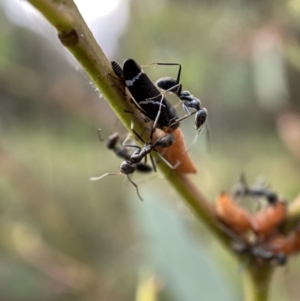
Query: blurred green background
point(63, 237)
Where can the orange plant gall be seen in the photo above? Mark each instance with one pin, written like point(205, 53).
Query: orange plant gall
point(233, 215)
point(282, 244)
point(177, 153)
point(268, 219)
point(286, 244)
point(297, 239)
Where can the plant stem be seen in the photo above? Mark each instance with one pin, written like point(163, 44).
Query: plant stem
point(75, 35)
point(256, 282)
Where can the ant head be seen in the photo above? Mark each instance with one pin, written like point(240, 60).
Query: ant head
point(271, 197)
point(200, 118)
point(126, 168)
point(165, 141)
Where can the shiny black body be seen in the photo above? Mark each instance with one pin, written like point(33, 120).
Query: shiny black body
point(141, 152)
point(173, 85)
point(146, 97)
point(123, 152)
point(254, 250)
point(257, 191)
point(258, 252)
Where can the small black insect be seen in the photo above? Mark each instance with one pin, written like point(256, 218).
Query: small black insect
point(123, 151)
point(130, 165)
point(146, 97)
point(258, 190)
point(259, 252)
point(173, 85)
point(254, 250)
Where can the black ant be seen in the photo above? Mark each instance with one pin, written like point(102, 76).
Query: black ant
point(260, 252)
point(123, 152)
point(188, 100)
point(151, 103)
point(129, 166)
point(267, 220)
point(258, 190)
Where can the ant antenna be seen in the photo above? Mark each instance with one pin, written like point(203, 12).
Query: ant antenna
point(116, 174)
point(100, 136)
point(136, 187)
point(103, 176)
point(194, 141)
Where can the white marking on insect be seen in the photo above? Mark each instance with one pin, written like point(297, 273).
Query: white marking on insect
point(151, 101)
point(130, 82)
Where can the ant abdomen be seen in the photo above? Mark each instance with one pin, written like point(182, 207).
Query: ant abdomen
point(200, 118)
point(168, 83)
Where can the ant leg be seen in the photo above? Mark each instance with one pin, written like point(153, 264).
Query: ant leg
point(149, 178)
point(177, 104)
point(157, 116)
point(133, 145)
point(152, 162)
point(241, 189)
point(186, 109)
point(168, 163)
point(118, 78)
point(168, 64)
point(103, 176)
point(113, 127)
point(130, 145)
point(182, 118)
point(133, 101)
point(145, 129)
point(144, 119)
point(145, 160)
point(158, 112)
point(136, 187)
point(194, 141)
point(99, 136)
point(138, 136)
point(160, 104)
point(173, 64)
point(161, 93)
point(123, 91)
point(198, 133)
point(111, 139)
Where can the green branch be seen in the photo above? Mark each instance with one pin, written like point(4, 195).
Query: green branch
point(76, 36)
point(256, 282)
point(81, 43)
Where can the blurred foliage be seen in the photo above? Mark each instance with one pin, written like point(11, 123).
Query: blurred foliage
point(63, 237)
